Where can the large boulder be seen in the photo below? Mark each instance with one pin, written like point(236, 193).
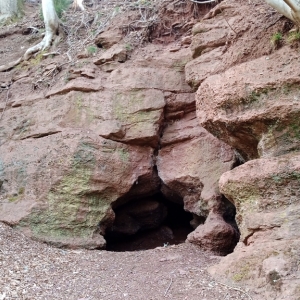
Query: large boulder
point(254, 107)
point(215, 234)
point(266, 193)
point(58, 188)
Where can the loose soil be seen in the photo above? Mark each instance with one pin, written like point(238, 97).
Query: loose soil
point(32, 270)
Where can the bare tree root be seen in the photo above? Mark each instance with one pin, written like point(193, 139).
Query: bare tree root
point(46, 43)
point(289, 8)
point(43, 45)
point(49, 39)
point(51, 25)
point(78, 4)
point(52, 28)
point(10, 65)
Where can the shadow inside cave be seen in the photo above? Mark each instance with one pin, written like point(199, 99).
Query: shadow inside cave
point(147, 223)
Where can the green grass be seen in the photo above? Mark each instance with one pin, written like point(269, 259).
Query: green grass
point(92, 50)
point(61, 6)
point(128, 47)
point(294, 36)
point(276, 38)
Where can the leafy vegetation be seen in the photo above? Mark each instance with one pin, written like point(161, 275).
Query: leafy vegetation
point(128, 47)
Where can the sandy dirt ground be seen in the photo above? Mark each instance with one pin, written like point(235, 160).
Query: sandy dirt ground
point(32, 270)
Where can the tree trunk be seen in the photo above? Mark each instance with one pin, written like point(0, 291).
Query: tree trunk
point(289, 8)
point(53, 31)
point(51, 28)
point(78, 4)
point(10, 8)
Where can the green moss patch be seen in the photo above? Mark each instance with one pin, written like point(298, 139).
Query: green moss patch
point(72, 210)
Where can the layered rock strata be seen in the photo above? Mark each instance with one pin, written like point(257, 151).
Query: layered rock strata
point(74, 154)
point(252, 104)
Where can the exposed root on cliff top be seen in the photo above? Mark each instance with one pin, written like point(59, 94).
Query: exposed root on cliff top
point(140, 19)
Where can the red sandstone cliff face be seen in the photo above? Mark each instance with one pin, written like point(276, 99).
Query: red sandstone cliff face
point(111, 130)
point(128, 125)
point(251, 103)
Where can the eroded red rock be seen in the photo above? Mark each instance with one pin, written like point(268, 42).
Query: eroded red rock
point(266, 194)
point(215, 234)
point(62, 184)
point(64, 141)
point(253, 106)
point(247, 97)
point(225, 38)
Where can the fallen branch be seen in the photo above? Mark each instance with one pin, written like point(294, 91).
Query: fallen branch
point(51, 53)
point(235, 288)
point(168, 287)
point(7, 94)
point(10, 65)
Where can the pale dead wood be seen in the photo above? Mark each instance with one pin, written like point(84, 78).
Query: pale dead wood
point(166, 292)
point(10, 65)
point(235, 289)
point(7, 97)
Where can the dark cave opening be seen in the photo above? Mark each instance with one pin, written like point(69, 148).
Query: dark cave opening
point(147, 223)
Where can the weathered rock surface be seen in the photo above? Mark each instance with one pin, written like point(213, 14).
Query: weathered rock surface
point(76, 157)
point(254, 107)
point(108, 38)
point(227, 37)
point(250, 101)
point(215, 234)
point(55, 188)
point(116, 53)
point(58, 145)
point(266, 194)
point(129, 116)
point(159, 70)
point(191, 162)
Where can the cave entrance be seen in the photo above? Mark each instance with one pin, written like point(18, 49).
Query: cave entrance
point(147, 223)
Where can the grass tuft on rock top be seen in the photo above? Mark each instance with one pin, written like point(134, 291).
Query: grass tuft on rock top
point(293, 36)
point(276, 39)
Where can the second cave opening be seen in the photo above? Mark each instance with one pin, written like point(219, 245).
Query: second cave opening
point(147, 223)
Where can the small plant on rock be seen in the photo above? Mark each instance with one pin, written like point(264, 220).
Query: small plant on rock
point(276, 39)
point(294, 36)
point(128, 47)
point(91, 50)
